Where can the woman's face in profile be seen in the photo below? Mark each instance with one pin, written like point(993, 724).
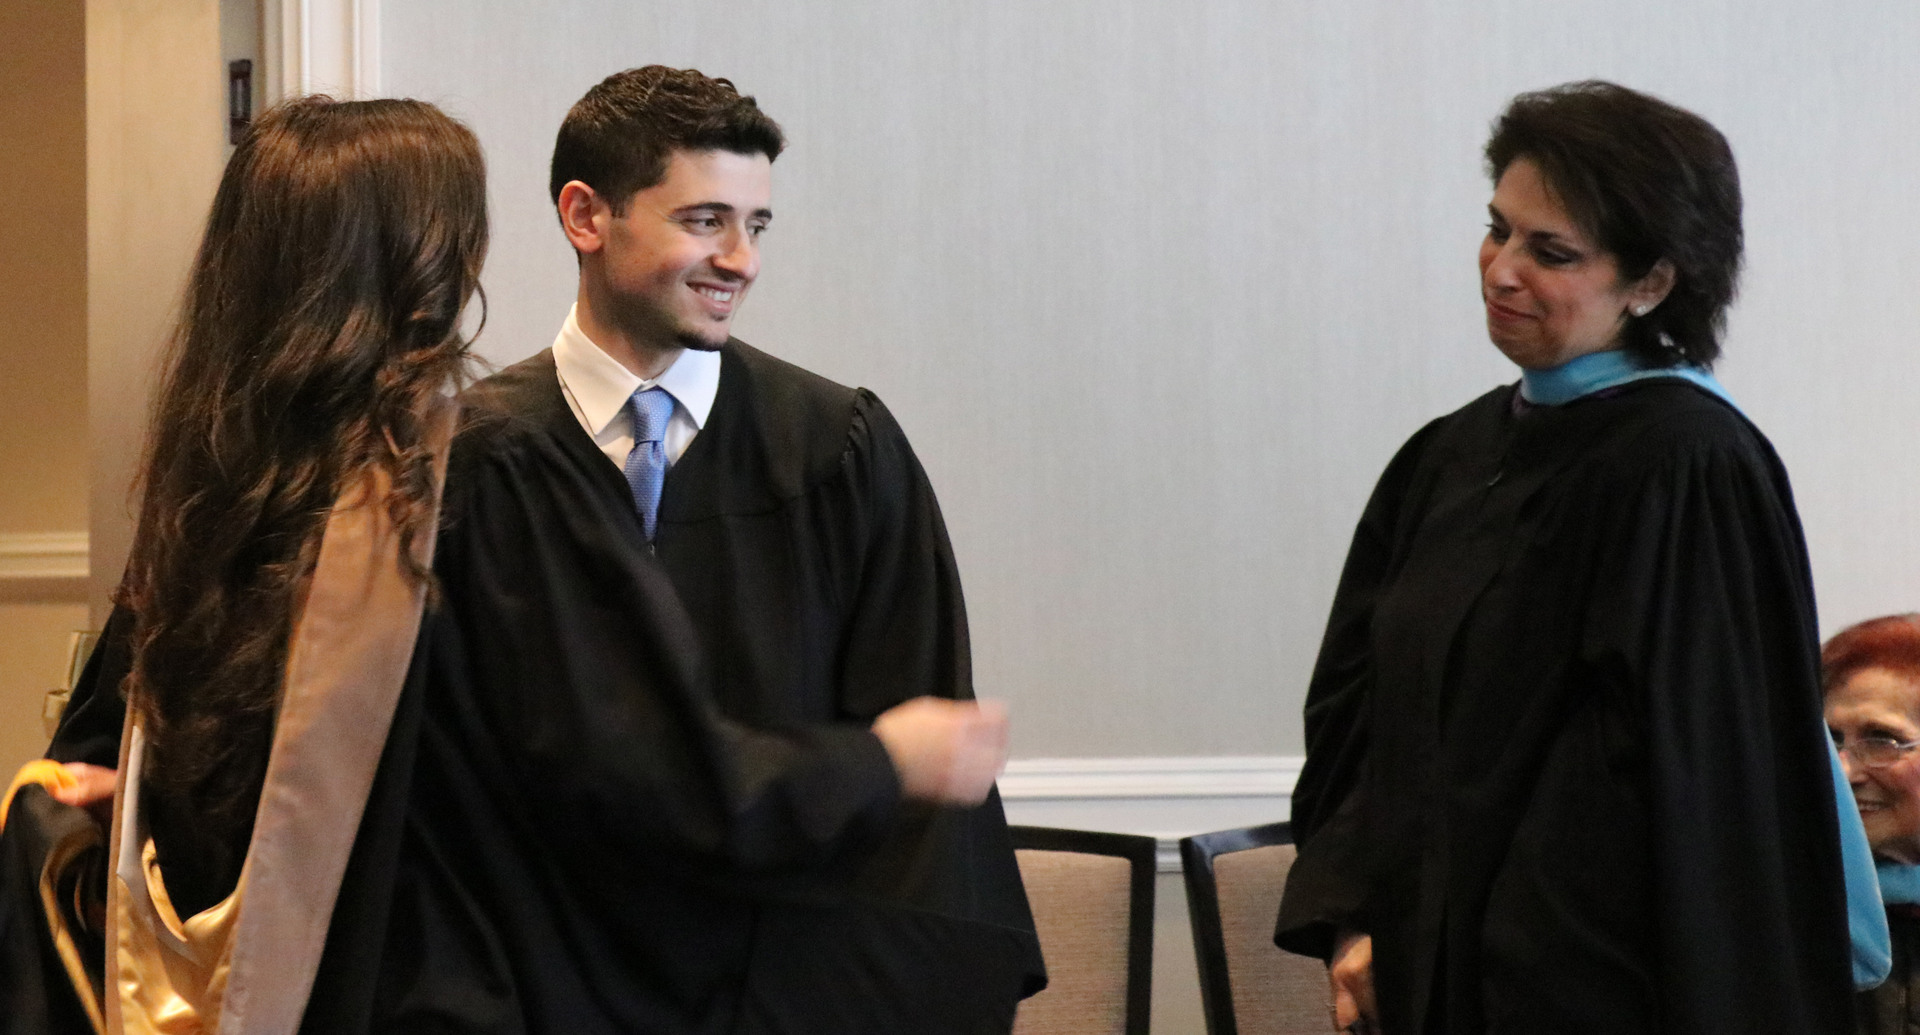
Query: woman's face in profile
point(1877, 702)
point(1551, 294)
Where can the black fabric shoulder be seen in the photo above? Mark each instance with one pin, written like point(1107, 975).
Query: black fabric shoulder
point(775, 433)
point(1460, 437)
point(1414, 451)
point(790, 388)
point(1660, 417)
point(528, 389)
point(800, 418)
point(519, 418)
point(873, 426)
point(1464, 428)
point(1670, 429)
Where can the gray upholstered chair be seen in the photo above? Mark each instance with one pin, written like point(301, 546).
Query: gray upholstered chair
point(1248, 986)
point(1092, 897)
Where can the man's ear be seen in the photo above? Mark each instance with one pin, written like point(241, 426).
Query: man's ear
point(583, 217)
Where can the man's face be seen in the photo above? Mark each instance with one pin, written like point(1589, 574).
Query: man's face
point(677, 264)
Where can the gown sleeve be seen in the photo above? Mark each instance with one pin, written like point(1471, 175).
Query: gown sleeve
point(907, 630)
point(1329, 884)
point(89, 729)
point(584, 674)
point(906, 635)
point(1704, 606)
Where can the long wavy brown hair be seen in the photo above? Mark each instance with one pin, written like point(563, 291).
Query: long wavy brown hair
point(322, 318)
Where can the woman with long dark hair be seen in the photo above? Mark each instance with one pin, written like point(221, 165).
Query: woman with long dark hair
point(321, 326)
point(451, 753)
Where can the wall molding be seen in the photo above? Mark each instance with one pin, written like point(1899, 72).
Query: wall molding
point(1164, 798)
point(43, 555)
point(321, 46)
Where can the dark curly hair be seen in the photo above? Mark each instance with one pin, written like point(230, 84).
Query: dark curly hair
point(617, 138)
point(1647, 181)
point(321, 320)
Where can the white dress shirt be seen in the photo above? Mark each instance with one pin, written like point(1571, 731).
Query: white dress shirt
point(597, 388)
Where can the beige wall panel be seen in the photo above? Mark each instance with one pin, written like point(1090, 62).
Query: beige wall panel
point(1157, 289)
point(43, 267)
point(33, 660)
point(155, 128)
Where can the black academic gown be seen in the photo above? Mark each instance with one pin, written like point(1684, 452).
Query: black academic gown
point(805, 540)
point(1564, 742)
point(37, 995)
point(1893, 1008)
point(563, 837)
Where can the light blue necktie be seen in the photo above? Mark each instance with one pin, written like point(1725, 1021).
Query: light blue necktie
point(647, 464)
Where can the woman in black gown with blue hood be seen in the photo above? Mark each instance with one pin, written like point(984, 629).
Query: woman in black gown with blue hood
point(1565, 765)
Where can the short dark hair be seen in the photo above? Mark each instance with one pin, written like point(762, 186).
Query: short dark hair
point(1647, 181)
point(617, 138)
point(1892, 643)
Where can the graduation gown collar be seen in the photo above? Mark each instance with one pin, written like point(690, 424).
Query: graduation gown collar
point(774, 432)
point(1597, 371)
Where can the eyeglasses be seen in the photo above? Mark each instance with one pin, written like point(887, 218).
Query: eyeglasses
point(1875, 752)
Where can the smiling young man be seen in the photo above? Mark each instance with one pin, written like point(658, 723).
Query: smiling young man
point(791, 516)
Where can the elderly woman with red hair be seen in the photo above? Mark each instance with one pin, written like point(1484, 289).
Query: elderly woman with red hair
point(1871, 676)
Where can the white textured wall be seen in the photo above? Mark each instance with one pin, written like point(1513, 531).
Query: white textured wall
point(1157, 288)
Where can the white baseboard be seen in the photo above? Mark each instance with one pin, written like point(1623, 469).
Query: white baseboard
point(1164, 798)
point(43, 555)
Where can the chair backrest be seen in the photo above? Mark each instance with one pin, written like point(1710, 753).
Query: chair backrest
point(1092, 898)
point(1248, 986)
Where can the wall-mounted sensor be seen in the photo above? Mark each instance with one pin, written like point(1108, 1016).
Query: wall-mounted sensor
point(239, 99)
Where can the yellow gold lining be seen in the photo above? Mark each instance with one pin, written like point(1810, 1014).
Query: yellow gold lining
point(41, 772)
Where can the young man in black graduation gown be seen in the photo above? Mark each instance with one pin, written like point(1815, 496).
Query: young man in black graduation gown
point(562, 837)
point(799, 530)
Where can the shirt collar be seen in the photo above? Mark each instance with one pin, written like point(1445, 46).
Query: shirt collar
point(693, 380)
point(601, 386)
